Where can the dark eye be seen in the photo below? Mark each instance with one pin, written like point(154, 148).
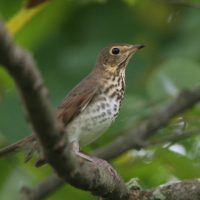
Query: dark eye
point(115, 51)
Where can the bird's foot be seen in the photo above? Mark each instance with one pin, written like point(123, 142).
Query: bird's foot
point(100, 162)
point(106, 165)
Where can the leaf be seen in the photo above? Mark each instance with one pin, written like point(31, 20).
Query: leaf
point(144, 169)
point(172, 76)
point(18, 21)
point(131, 2)
point(6, 82)
point(179, 165)
point(7, 168)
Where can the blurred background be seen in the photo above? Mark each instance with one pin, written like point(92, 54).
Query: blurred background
point(65, 37)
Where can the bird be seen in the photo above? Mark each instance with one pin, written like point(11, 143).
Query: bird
point(93, 105)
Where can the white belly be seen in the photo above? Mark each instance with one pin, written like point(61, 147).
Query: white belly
point(94, 120)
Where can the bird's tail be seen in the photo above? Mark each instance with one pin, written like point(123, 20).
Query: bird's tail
point(16, 146)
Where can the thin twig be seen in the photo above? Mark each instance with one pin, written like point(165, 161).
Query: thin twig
point(171, 139)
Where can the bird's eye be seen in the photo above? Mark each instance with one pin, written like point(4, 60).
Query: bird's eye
point(115, 51)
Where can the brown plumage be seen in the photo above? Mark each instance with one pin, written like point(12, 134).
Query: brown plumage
point(92, 106)
point(78, 98)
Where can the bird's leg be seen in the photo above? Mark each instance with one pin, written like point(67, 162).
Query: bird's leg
point(98, 161)
point(76, 149)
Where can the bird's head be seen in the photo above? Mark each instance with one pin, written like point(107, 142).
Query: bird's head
point(116, 57)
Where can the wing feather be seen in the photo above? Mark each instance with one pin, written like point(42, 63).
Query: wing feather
point(77, 100)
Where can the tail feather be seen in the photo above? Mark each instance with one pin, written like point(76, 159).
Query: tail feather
point(16, 146)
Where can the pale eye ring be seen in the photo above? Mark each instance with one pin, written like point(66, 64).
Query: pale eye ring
point(115, 51)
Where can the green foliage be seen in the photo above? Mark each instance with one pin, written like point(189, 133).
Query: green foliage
point(174, 75)
point(6, 82)
point(65, 38)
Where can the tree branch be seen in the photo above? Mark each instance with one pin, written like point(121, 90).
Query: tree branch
point(184, 101)
point(43, 189)
point(74, 170)
point(23, 69)
point(170, 139)
point(49, 187)
point(184, 190)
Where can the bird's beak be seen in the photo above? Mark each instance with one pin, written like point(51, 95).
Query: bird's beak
point(136, 47)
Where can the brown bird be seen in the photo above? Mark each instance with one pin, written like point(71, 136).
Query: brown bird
point(93, 105)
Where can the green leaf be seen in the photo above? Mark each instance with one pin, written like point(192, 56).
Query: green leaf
point(172, 76)
point(22, 17)
point(179, 165)
point(6, 82)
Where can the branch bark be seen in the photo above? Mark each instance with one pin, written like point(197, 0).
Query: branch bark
point(136, 138)
point(74, 170)
point(80, 173)
point(43, 189)
point(52, 183)
point(185, 190)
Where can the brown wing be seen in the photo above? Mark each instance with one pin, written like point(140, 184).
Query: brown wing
point(77, 100)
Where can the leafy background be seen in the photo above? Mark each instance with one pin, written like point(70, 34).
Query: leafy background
point(65, 37)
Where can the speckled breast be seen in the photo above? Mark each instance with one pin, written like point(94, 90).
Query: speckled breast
point(99, 114)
